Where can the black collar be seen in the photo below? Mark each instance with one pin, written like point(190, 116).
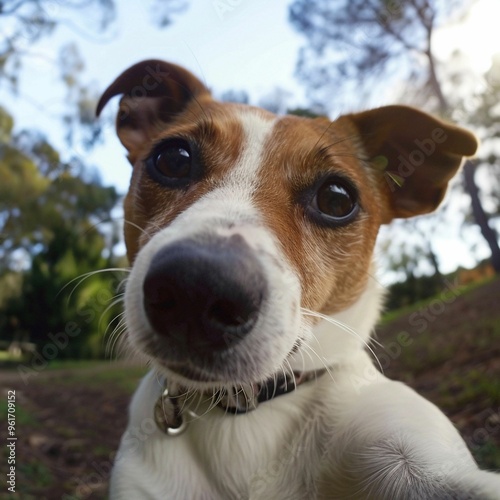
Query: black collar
point(170, 415)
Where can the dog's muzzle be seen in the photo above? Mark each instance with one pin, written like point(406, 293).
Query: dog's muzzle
point(204, 295)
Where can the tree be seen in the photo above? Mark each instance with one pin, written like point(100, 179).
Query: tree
point(52, 206)
point(29, 21)
point(50, 220)
point(354, 44)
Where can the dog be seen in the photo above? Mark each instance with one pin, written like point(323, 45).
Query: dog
point(252, 294)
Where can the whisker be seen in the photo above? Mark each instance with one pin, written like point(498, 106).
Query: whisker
point(291, 372)
point(85, 276)
point(133, 224)
point(117, 299)
point(325, 366)
point(344, 327)
point(115, 335)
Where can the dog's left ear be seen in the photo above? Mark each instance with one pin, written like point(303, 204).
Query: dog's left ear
point(154, 92)
point(415, 154)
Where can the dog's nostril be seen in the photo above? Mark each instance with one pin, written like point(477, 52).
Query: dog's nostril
point(226, 312)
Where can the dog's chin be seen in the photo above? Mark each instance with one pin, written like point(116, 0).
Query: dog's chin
point(188, 375)
point(205, 369)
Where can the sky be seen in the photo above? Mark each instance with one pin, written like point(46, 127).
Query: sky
point(230, 44)
point(251, 48)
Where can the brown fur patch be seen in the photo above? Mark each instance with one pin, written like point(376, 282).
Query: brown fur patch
point(149, 206)
point(332, 263)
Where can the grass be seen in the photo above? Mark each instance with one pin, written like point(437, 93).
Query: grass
point(73, 430)
point(31, 471)
point(70, 364)
point(97, 374)
point(23, 417)
point(462, 389)
point(7, 356)
point(462, 290)
point(35, 472)
point(488, 455)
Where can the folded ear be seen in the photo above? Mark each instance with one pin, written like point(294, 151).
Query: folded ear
point(154, 92)
point(415, 153)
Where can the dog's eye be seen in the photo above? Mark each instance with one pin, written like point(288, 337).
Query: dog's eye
point(174, 162)
point(334, 200)
point(171, 163)
point(334, 203)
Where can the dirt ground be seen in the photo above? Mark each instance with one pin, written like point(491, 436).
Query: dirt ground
point(69, 421)
point(68, 427)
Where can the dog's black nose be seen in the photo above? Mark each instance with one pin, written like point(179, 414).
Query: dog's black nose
point(204, 295)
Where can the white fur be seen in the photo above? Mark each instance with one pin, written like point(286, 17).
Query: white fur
point(352, 433)
point(227, 210)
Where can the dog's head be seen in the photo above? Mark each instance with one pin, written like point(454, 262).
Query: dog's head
point(239, 222)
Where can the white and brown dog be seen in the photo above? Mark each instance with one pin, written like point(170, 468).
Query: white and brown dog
point(252, 292)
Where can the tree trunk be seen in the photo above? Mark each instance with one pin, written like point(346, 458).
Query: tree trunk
point(434, 260)
point(434, 83)
point(480, 216)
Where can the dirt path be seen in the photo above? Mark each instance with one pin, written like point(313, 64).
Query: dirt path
point(69, 423)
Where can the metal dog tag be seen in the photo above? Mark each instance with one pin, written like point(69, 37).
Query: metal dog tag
point(167, 415)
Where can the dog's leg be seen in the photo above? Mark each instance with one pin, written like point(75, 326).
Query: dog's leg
point(150, 465)
point(392, 443)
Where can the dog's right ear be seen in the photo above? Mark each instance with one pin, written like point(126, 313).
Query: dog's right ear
point(153, 93)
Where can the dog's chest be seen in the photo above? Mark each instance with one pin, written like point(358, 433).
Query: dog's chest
point(273, 449)
point(246, 455)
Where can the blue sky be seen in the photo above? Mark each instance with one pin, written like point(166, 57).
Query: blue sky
point(251, 47)
point(230, 44)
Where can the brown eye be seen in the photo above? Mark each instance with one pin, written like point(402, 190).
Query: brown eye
point(174, 161)
point(171, 163)
point(334, 200)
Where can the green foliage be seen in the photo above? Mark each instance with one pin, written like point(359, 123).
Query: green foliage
point(50, 221)
point(412, 290)
point(52, 208)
